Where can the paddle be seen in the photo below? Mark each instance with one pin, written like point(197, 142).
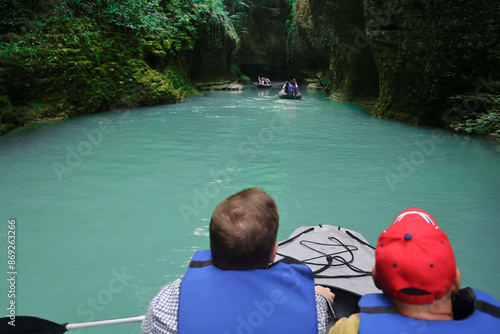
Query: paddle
point(27, 324)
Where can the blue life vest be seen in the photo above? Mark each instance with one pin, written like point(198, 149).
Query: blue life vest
point(379, 316)
point(280, 299)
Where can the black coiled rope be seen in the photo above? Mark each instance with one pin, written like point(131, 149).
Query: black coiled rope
point(333, 259)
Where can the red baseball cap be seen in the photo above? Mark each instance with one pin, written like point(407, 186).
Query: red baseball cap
point(414, 260)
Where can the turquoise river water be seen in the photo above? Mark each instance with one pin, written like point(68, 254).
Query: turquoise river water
point(110, 207)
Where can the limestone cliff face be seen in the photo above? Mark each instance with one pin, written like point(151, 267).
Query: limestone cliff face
point(428, 52)
point(422, 61)
point(333, 45)
point(262, 28)
point(213, 51)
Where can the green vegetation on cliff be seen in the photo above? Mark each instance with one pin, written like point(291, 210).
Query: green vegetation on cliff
point(62, 58)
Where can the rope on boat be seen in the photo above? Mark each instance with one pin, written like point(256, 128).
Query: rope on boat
point(333, 259)
point(295, 237)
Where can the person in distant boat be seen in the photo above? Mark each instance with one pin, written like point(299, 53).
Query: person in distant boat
point(294, 88)
point(416, 271)
point(285, 89)
point(264, 81)
point(232, 288)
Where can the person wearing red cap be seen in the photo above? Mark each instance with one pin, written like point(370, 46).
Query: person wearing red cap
point(415, 269)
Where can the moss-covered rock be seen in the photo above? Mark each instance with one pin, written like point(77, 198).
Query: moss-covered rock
point(78, 63)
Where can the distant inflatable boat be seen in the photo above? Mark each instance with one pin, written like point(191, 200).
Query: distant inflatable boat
point(264, 86)
point(289, 96)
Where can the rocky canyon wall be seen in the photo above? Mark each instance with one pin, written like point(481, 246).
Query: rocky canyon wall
point(419, 61)
point(262, 29)
point(436, 60)
point(330, 34)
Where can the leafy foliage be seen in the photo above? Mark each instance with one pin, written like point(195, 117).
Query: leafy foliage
point(146, 17)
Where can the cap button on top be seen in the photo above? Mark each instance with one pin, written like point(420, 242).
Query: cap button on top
point(408, 236)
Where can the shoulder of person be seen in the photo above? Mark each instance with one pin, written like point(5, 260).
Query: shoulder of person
point(346, 325)
point(169, 291)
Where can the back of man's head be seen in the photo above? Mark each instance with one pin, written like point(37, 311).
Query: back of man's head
point(414, 261)
point(243, 231)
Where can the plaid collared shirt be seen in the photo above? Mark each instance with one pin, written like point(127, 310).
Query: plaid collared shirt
point(162, 313)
